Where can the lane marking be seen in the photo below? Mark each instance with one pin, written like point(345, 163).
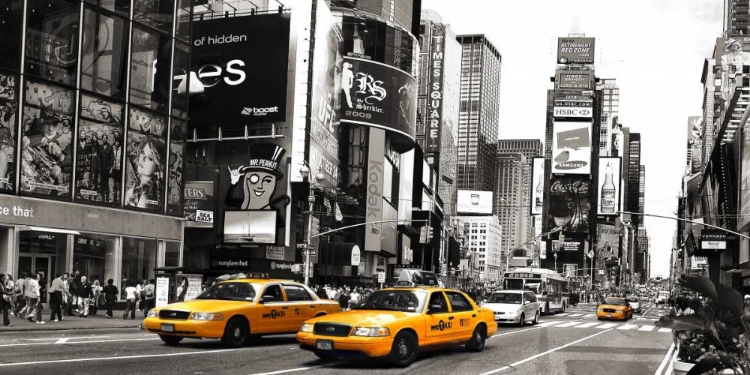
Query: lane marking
point(627, 327)
point(665, 329)
point(660, 369)
point(575, 315)
point(75, 342)
point(646, 328)
point(512, 365)
point(587, 325)
point(550, 323)
point(589, 315)
point(562, 314)
point(62, 341)
point(569, 324)
point(288, 370)
point(512, 332)
point(140, 356)
point(606, 325)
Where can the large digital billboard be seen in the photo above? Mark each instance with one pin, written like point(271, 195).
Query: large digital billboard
point(240, 84)
point(571, 147)
point(608, 245)
point(8, 131)
point(745, 178)
point(610, 185)
point(537, 186)
point(695, 140)
point(378, 95)
point(474, 202)
point(570, 203)
point(575, 50)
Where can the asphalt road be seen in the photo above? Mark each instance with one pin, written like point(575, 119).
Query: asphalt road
point(573, 343)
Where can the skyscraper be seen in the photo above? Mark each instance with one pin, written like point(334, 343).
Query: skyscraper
point(509, 197)
point(634, 176)
point(400, 12)
point(737, 15)
point(530, 148)
point(479, 113)
point(610, 113)
point(642, 192)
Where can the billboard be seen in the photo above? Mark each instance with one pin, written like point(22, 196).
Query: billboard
point(146, 156)
point(250, 226)
point(537, 183)
point(325, 102)
point(434, 122)
point(575, 50)
point(375, 175)
point(199, 204)
point(8, 128)
point(695, 142)
point(378, 95)
point(608, 244)
point(573, 108)
point(745, 178)
point(474, 202)
point(571, 147)
point(573, 81)
point(570, 203)
point(240, 85)
point(610, 185)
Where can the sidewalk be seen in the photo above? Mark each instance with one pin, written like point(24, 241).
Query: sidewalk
point(98, 321)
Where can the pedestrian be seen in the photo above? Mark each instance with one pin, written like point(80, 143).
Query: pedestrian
point(7, 292)
point(33, 300)
point(149, 292)
point(95, 293)
point(110, 296)
point(12, 296)
point(20, 299)
point(72, 294)
point(56, 297)
point(130, 299)
point(84, 297)
point(27, 307)
point(140, 294)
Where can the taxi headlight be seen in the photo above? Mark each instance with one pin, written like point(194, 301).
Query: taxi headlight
point(152, 314)
point(206, 316)
point(371, 332)
point(306, 328)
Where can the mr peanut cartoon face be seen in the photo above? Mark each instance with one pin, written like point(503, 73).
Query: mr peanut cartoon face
point(259, 176)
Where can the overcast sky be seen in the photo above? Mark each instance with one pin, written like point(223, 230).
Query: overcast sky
point(654, 48)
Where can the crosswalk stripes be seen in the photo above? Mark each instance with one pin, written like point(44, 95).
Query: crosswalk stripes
point(665, 329)
point(587, 325)
point(606, 326)
point(646, 328)
point(589, 315)
point(568, 324)
point(547, 324)
point(562, 314)
point(600, 325)
point(575, 315)
point(627, 327)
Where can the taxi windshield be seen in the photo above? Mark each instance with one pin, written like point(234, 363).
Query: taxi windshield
point(230, 292)
point(394, 300)
point(513, 298)
point(614, 301)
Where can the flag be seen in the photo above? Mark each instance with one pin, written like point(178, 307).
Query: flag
point(327, 203)
point(339, 216)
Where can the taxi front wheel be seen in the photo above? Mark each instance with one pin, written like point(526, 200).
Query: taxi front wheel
point(404, 350)
point(235, 333)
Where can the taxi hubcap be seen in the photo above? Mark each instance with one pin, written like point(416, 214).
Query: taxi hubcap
point(403, 349)
point(479, 337)
point(237, 332)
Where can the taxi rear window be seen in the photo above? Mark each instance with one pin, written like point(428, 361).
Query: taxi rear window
point(230, 292)
point(394, 300)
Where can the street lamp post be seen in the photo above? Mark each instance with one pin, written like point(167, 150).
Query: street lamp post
point(305, 173)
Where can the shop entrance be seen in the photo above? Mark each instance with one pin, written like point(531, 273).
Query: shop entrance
point(41, 252)
point(33, 263)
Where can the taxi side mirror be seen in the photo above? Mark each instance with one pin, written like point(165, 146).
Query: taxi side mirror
point(266, 299)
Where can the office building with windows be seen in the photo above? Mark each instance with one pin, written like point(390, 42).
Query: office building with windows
point(609, 114)
point(509, 197)
point(530, 149)
point(484, 239)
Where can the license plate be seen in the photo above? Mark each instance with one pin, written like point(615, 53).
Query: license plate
point(609, 315)
point(167, 327)
point(325, 345)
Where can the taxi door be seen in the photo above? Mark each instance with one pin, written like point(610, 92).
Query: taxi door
point(301, 304)
point(274, 315)
point(439, 321)
point(463, 314)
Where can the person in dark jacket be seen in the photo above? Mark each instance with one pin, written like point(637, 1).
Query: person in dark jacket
point(321, 292)
point(84, 297)
point(110, 296)
point(72, 293)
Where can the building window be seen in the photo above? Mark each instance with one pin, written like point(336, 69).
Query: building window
point(138, 260)
point(95, 257)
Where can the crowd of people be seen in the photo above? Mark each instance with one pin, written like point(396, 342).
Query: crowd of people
point(70, 294)
point(345, 295)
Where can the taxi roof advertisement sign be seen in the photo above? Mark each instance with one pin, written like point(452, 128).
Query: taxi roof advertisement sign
point(575, 50)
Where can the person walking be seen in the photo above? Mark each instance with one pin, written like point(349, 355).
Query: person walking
point(6, 290)
point(72, 295)
point(130, 298)
point(149, 292)
point(20, 299)
point(12, 296)
point(32, 299)
point(110, 296)
point(84, 297)
point(96, 291)
point(56, 297)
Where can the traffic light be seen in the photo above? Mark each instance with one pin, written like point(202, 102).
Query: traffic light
point(314, 226)
point(429, 234)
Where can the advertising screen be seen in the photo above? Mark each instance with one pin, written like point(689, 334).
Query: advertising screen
point(100, 151)
point(8, 127)
point(610, 183)
point(378, 95)
point(146, 155)
point(375, 175)
point(570, 204)
point(241, 85)
point(176, 155)
point(573, 108)
point(745, 178)
point(474, 202)
point(608, 245)
point(571, 148)
point(695, 140)
point(199, 204)
point(47, 142)
point(576, 50)
point(537, 184)
point(574, 81)
point(250, 226)
point(433, 123)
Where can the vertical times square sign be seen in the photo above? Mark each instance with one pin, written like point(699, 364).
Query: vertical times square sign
point(435, 101)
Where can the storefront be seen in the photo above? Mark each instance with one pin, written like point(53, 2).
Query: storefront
point(102, 243)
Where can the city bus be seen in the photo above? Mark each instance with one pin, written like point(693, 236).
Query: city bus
point(551, 288)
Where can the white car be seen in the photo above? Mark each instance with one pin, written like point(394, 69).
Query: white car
point(635, 304)
point(514, 306)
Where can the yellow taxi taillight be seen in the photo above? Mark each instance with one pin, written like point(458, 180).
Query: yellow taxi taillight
point(306, 328)
point(371, 332)
point(206, 316)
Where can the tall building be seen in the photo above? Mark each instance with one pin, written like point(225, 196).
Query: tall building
point(736, 17)
point(610, 113)
point(484, 233)
point(479, 113)
point(438, 101)
point(400, 12)
point(530, 148)
point(509, 197)
point(634, 175)
point(642, 192)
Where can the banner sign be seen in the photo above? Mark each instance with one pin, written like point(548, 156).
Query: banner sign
point(378, 95)
point(571, 148)
point(573, 81)
point(8, 130)
point(474, 202)
point(573, 109)
point(188, 287)
point(162, 291)
point(570, 203)
point(434, 121)
point(744, 178)
point(608, 245)
point(199, 204)
point(240, 84)
point(610, 183)
point(575, 50)
point(537, 183)
point(695, 141)
point(374, 203)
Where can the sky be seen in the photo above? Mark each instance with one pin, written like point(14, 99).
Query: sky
point(654, 48)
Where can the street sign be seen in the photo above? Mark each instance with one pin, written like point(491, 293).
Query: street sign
point(573, 112)
point(714, 245)
point(381, 277)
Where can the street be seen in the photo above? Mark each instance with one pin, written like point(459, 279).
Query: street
point(574, 342)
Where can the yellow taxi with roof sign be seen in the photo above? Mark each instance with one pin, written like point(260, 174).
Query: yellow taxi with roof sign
point(236, 311)
point(396, 323)
point(614, 308)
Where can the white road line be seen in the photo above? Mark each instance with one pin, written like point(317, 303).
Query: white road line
point(587, 325)
point(140, 356)
point(569, 324)
point(542, 354)
point(665, 329)
point(62, 341)
point(512, 332)
point(660, 369)
point(550, 323)
point(562, 314)
point(76, 342)
point(589, 315)
point(646, 328)
point(576, 315)
point(288, 370)
point(627, 327)
point(606, 325)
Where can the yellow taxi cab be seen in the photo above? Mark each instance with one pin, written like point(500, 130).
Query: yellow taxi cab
point(237, 311)
point(396, 323)
point(614, 308)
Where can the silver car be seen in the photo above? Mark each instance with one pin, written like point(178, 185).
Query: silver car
point(514, 306)
point(635, 304)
